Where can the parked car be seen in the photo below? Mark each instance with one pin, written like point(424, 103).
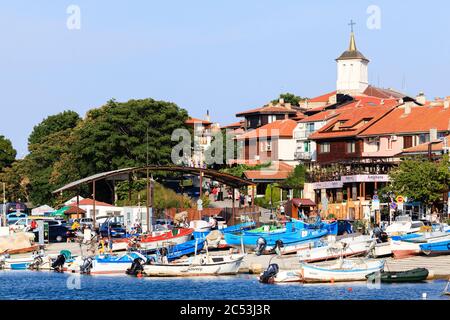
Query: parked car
point(113, 229)
point(57, 231)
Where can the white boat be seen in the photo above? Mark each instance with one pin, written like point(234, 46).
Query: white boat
point(199, 265)
point(34, 261)
point(383, 249)
point(346, 247)
point(404, 225)
point(341, 271)
point(411, 247)
point(200, 225)
point(104, 264)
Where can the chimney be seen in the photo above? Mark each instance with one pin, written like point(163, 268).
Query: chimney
point(421, 98)
point(281, 101)
point(446, 103)
point(407, 108)
point(433, 134)
point(207, 116)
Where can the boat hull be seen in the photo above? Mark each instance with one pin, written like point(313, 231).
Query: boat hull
point(436, 248)
point(193, 269)
point(322, 274)
point(151, 243)
point(414, 275)
point(348, 247)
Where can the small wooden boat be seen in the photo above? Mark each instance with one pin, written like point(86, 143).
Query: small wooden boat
point(404, 225)
point(347, 247)
point(341, 271)
point(35, 261)
point(413, 275)
point(164, 238)
point(273, 275)
point(289, 237)
point(436, 248)
point(383, 249)
point(200, 265)
point(21, 250)
point(412, 246)
point(104, 264)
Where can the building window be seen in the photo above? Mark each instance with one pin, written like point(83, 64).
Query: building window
point(407, 142)
point(306, 146)
point(325, 147)
point(351, 147)
point(389, 143)
point(272, 118)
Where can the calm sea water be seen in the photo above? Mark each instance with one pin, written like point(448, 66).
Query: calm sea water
point(48, 285)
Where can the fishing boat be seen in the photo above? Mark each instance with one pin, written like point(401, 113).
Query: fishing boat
point(332, 227)
point(404, 225)
point(274, 275)
point(342, 271)
point(199, 265)
point(379, 250)
point(414, 275)
point(249, 240)
point(436, 248)
point(215, 238)
point(347, 247)
point(186, 248)
point(164, 238)
point(35, 261)
point(412, 246)
point(105, 264)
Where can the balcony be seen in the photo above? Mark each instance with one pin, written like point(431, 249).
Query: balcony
point(302, 155)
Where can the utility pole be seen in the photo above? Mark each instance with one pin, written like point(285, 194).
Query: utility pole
point(4, 204)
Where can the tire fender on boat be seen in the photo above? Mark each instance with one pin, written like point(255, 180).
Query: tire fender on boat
point(202, 261)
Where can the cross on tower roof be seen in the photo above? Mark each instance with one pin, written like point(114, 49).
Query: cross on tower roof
point(351, 24)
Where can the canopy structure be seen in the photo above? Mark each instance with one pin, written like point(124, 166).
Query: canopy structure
point(60, 212)
point(42, 210)
point(121, 174)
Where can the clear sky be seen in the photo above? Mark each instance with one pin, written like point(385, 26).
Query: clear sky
point(221, 55)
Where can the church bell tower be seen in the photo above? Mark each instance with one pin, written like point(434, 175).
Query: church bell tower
point(352, 69)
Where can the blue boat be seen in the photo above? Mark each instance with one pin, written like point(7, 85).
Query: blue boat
point(288, 237)
point(436, 248)
point(230, 229)
point(332, 227)
point(186, 248)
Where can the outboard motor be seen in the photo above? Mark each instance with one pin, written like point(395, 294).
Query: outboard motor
point(37, 262)
point(270, 273)
point(58, 264)
point(384, 237)
point(278, 245)
point(85, 268)
point(136, 267)
point(261, 245)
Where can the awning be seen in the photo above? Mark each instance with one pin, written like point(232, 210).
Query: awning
point(303, 202)
point(60, 212)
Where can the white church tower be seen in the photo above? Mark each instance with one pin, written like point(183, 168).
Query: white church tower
point(352, 69)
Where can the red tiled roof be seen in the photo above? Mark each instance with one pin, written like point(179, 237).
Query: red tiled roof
point(423, 148)
point(195, 120)
point(280, 128)
point(74, 210)
point(234, 125)
point(268, 109)
point(420, 119)
point(303, 202)
point(383, 93)
point(350, 117)
point(323, 98)
point(90, 202)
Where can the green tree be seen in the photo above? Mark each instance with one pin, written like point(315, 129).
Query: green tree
point(295, 180)
point(114, 136)
point(290, 98)
point(7, 153)
point(53, 124)
point(17, 181)
point(421, 180)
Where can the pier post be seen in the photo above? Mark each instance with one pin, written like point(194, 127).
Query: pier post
point(93, 204)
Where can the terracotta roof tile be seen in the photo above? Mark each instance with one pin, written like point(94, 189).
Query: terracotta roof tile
point(90, 202)
point(420, 119)
point(280, 128)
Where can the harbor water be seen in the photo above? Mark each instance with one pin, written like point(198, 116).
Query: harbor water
point(33, 285)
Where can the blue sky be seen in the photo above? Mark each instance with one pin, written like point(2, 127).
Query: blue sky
point(225, 56)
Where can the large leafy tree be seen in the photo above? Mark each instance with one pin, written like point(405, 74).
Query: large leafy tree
point(16, 181)
point(50, 147)
point(115, 135)
point(7, 153)
point(53, 124)
point(421, 180)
